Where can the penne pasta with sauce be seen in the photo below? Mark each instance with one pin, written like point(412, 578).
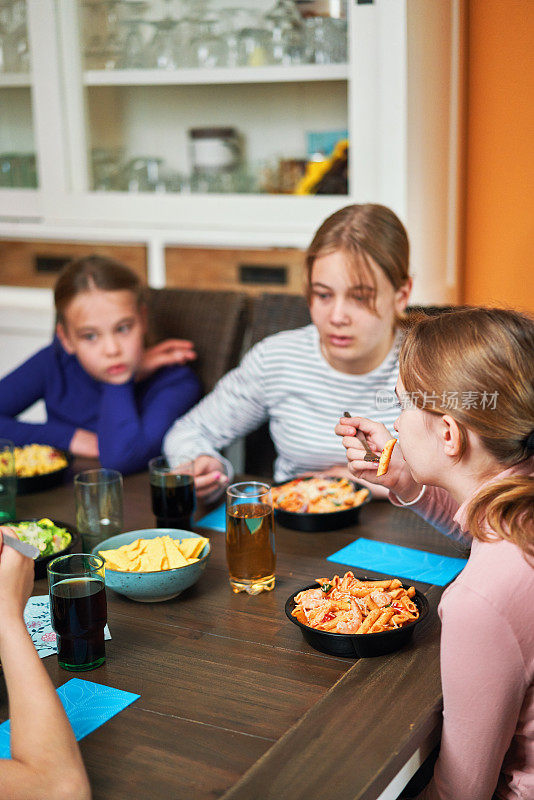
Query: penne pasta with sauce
point(350, 605)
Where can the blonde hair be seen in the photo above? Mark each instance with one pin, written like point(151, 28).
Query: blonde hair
point(362, 232)
point(488, 353)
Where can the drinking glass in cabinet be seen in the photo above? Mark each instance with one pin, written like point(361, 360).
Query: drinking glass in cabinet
point(163, 50)
point(231, 22)
point(103, 51)
point(253, 45)
point(106, 164)
point(326, 40)
point(287, 33)
point(207, 48)
point(134, 46)
point(18, 170)
point(142, 174)
point(14, 50)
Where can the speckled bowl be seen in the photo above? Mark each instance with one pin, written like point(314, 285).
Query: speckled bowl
point(153, 587)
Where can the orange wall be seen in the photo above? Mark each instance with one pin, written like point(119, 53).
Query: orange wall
point(499, 201)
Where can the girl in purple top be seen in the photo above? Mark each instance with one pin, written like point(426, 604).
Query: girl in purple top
point(473, 462)
point(106, 395)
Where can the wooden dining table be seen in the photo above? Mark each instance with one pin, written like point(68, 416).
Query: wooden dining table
point(233, 702)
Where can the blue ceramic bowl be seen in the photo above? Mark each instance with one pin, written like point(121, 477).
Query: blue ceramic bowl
point(152, 587)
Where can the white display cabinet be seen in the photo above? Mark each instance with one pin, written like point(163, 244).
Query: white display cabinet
point(398, 95)
point(17, 142)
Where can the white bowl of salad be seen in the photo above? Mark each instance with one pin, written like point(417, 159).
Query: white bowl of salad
point(51, 537)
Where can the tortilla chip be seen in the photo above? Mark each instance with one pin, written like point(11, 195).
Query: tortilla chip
point(174, 555)
point(154, 558)
point(193, 546)
point(118, 558)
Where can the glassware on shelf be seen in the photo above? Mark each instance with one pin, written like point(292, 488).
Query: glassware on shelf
point(287, 33)
point(253, 47)
point(326, 40)
point(141, 174)
point(134, 49)
point(14, 48)
point(163, 51)
point(103, 50)
point(231, 21)
point(106, 165)
point(18, 171)
point(207, 48)
point(5, 49)
point(170, 181)
point(134, 44)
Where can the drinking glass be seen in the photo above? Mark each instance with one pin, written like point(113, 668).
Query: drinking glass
point(253, 46)
point(173, 493)
point(250, 549)
point(326, 40)
point(98, 495)
point(207, 48)
point(133, 53)
point(286, 27)
point(103, 51)
point(163, 51)
point(78, 610)
point(8, 481)
point(141, 174)
point(232, 20)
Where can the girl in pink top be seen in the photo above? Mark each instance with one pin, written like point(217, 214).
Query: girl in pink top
point(473, 462)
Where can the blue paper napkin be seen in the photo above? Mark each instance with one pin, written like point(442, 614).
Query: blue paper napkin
point(404, 562)
point(87, 705)
point(216, 519)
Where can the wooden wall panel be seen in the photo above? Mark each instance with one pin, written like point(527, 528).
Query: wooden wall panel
point(203, 268)
point(17, 259)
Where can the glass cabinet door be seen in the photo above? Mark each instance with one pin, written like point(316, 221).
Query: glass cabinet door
point(17, 146)
point(196, 97)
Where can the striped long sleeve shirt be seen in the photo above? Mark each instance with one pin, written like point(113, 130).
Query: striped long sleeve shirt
point(286, 380)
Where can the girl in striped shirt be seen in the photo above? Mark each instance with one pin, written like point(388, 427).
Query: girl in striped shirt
point(357, 286)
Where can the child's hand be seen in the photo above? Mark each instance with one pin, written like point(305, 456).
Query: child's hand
point(210, 477)
point(398, 477)
point(16, 578)
point(163, 354)
point(84, 443)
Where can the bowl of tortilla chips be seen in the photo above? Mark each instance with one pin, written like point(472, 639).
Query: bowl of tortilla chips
point(153, 564)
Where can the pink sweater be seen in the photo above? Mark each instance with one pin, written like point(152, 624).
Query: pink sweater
point(487, 668)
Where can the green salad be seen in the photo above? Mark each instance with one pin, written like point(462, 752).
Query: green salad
point(47, 537)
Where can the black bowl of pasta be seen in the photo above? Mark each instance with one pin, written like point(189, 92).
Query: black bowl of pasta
point(315, 504)
point(359, 645)
point(40, 467)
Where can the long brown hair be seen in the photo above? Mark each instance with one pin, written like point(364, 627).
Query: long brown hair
point(362, 232)
point(483, 359)
point(94, 272)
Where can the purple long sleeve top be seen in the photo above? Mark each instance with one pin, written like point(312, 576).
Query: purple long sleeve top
point(130, 419)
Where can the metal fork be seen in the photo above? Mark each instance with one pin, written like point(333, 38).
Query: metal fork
point(369, 455)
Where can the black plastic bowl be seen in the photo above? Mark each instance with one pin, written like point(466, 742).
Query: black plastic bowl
point(39, 483)
point(358, 645)
point(315, 523)
point(42, 562)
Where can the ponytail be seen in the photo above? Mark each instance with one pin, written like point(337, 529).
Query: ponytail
point(504, 508)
